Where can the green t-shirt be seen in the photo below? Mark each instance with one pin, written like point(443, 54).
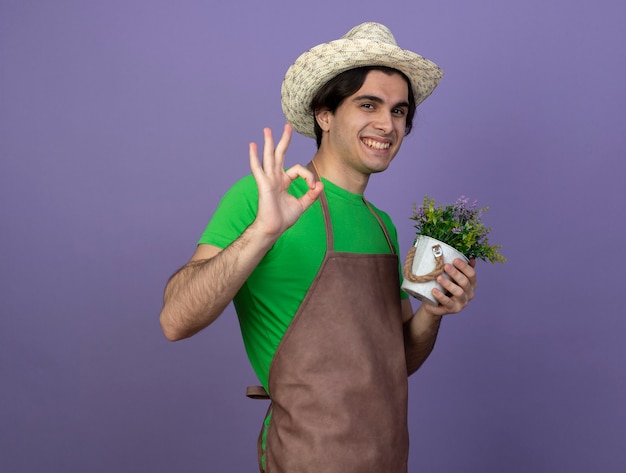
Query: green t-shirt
point(271, 296)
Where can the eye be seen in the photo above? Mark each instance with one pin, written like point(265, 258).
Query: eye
point(399, 112)
point(368, 106)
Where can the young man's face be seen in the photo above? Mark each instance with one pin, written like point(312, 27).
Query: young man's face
point(367, 129)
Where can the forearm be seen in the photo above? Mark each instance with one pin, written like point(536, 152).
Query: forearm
point(420, 335)
point(200, 291)
point(420, 330)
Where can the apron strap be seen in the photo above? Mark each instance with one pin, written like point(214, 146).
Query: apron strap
point(257, 392)
point(330, 244)
point(382, 226)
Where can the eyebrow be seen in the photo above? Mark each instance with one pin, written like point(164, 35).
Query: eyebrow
point(373, 98)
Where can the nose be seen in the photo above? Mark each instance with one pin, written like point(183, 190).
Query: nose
point(384, 122)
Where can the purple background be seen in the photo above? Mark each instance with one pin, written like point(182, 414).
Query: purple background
point(123, 122)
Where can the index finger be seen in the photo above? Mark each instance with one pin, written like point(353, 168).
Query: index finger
point(466, 268)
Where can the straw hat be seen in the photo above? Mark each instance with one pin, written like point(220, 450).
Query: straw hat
point(368, 44)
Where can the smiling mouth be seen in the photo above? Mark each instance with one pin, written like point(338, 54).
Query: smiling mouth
point(375, 144)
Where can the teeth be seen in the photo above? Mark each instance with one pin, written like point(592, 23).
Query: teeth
point(376, 144)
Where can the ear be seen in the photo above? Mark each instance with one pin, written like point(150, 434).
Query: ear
point(324, 117)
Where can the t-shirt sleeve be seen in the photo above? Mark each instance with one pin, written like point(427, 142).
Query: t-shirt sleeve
point(235, 212)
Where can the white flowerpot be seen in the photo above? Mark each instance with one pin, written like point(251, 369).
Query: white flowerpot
point(428, 259)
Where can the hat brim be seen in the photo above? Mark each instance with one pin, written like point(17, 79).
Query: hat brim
point(317, 66)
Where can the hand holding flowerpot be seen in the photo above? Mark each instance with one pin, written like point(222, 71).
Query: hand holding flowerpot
point(424, 264)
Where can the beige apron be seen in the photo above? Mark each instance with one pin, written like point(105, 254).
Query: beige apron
point(338, 380)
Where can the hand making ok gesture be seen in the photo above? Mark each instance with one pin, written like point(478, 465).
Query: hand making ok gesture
point(278, 209)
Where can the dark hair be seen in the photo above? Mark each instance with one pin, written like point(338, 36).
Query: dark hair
point(335, 91)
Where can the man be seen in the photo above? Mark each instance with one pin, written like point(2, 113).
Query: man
point(313, 270)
